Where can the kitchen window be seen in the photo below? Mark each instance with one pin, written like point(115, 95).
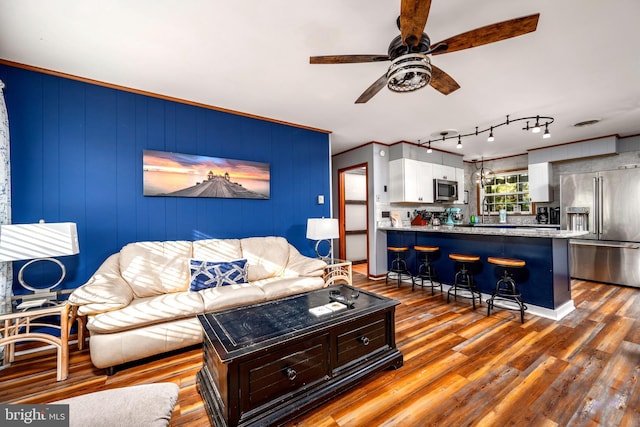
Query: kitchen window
point(507, 190)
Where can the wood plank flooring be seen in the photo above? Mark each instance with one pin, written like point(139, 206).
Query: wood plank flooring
point(461, 368)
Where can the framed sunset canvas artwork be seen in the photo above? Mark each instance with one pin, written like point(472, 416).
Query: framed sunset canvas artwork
point(169, 174)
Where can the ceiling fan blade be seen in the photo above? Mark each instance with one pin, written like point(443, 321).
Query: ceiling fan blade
point(491, 33)
point(372, 90)
point(442, 82)
point(413, 18)
point(347, 59)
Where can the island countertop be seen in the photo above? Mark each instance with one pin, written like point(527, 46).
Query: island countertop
point(491, 231)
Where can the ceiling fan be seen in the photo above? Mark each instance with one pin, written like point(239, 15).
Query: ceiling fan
point(409, 52)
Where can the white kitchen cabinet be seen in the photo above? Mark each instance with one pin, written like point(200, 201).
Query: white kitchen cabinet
point(444, 172)
point(540, 182)
point(410, 181)
point(460, 180)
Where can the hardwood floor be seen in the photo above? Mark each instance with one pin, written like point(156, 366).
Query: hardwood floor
point(460, 368)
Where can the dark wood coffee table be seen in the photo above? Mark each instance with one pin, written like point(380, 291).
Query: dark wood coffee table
point(270, 362)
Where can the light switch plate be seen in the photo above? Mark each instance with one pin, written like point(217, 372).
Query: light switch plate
point(321, 199)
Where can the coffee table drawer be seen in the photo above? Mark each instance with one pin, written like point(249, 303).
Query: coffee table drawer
point(275, 374)
point(363, 338)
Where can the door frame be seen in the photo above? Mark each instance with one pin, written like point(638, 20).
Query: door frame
point(342, 247)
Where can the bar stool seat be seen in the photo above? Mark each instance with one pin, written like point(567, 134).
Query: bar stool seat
point(427, 271)
point(464, 257)
point(399, 264)
point(506, 293)
point(506, 262)
point(463, 284)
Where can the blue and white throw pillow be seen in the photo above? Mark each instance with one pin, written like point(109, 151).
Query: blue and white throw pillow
point(209, 274)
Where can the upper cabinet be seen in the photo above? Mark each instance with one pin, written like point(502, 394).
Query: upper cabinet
point(540, 182)
point(444, 172)
point(410, 181)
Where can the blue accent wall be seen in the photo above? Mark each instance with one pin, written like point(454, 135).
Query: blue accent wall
point(76, 155)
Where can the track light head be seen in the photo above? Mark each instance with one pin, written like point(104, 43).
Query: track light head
point(536, 128)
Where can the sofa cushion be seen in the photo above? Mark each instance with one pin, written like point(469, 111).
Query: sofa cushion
point(209, 274)
point(217, 249)
point(231, 296)
point(148, 311)
point(278, 287)
point(267, 256)
point(156, 268)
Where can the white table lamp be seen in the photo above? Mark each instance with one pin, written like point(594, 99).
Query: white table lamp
point(38, 242)
point(323, 229)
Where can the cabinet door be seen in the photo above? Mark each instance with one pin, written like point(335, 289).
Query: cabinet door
point(424, 182)
point(396, 180)
point(410, 181)
point(540, 182)
point(411, 191)
point(444, 172)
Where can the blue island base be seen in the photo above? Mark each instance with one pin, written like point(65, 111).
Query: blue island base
point(544, 282)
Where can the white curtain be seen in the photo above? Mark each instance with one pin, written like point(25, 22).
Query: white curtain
point(6, 271)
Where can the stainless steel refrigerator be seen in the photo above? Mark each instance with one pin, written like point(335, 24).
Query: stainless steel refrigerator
point(607, 205)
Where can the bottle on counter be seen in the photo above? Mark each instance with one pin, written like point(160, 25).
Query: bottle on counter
point(503, 216)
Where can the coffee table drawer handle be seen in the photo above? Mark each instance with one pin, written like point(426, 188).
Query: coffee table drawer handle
point(290, 373)
point(364, 340)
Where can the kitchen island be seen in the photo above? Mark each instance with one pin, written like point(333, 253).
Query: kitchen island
point(544, 282)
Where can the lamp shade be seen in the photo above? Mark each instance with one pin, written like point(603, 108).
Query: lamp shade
point(42, 240)
point(322, 228)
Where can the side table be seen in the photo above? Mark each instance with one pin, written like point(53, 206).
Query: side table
point(337, 270)
point(16, 325)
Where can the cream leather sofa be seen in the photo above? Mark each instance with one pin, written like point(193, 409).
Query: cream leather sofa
point(139, 302)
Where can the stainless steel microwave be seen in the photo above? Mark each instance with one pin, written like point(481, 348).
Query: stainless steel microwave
point(444, 190)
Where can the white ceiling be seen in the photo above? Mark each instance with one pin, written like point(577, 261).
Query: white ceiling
point(252, 56)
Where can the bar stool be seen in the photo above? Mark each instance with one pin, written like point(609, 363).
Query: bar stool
point(399, 265)
point(427, 271)
point(506, 293)
point(464, 279)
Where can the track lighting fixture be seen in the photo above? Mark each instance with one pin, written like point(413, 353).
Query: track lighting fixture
point(540, 121)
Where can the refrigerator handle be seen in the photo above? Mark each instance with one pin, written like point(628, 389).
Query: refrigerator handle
point(596, 207)
point(600, 213)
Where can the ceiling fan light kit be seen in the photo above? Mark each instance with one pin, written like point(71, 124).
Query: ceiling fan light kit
point(409, 72)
